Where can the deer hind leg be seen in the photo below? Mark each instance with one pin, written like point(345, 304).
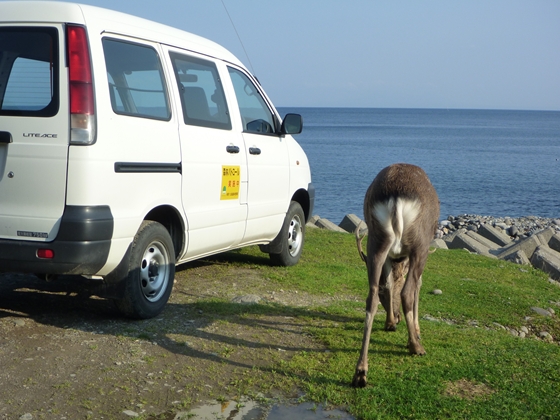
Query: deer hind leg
point(416, 301)
point(374, 268)
point(391, 299)
point(410, 298)
point(390, 293)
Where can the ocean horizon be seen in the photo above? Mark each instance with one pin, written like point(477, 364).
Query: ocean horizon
point(485, 162)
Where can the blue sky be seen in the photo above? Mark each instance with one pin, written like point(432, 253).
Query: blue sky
point(487, 54)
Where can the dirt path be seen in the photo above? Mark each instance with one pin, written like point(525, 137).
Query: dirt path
point(67, 356)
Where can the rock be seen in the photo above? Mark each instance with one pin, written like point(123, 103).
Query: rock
point(19, 322)
point(554, 242)
point(312, 222)
point(493, 234)
point(313, 219)
point(517, 257)
point(546, 235)
point(462, 240)
point(311, 225)
point(486, 242)
point(437, 292)
point(540, 311)
point(547, 260)
point(327, 224)
point(130, 413)
point(438, 244)
point(351, 222)
point(247, 299)
point(449, 238)
point(528, 246)
point(524, 330)
point(545, 336)
point(26, 416)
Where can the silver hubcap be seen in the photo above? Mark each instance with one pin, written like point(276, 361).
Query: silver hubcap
point(154, 271)
point(295, 235)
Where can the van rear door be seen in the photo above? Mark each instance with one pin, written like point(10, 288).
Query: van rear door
point(34, 131)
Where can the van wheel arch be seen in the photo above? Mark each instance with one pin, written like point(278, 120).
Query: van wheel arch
point(169, 217)
point(302, 197)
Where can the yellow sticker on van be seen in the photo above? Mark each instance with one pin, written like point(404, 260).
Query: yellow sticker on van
point(231, 177)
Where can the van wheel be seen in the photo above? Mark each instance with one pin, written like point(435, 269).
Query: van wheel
point(292, 237)
point(151, 272)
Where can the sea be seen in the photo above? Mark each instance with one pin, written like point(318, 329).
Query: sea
point(481, 162)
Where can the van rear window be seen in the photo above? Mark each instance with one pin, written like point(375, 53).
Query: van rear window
point(29, 71)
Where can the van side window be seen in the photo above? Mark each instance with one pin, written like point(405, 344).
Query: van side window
point(136, 81)
point(29, 71)
point(256, 116)
point(200, 89)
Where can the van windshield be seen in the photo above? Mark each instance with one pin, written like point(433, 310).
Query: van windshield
point(28, 71)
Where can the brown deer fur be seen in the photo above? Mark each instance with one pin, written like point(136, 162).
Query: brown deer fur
point(390, 287)
point(401, 210)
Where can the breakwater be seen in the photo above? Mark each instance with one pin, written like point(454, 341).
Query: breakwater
point(529, 240)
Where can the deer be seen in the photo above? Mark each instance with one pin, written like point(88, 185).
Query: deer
point(401, 211)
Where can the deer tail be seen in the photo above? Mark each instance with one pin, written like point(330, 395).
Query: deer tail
point(359, 239)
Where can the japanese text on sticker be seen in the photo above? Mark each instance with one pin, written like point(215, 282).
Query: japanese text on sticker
point(231, 177)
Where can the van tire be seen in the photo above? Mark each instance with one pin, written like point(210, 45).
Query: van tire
point(291, 238)
point(151, 272)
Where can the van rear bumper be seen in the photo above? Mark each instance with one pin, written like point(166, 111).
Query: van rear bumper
point(81, 246)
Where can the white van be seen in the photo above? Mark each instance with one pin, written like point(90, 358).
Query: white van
point(127, 147)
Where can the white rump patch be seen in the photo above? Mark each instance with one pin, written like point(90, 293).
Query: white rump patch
point(406, 211)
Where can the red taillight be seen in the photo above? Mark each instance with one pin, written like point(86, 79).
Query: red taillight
point(81, 87)
point(81, 98)
point(47, 254)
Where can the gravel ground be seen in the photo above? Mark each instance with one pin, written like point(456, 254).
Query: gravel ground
point(69, 356)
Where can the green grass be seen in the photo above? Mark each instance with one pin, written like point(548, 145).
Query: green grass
point(519, 377)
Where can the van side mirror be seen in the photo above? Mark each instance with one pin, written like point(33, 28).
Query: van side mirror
point(292, 124)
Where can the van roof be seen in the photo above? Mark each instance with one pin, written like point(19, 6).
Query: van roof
point(105, 20)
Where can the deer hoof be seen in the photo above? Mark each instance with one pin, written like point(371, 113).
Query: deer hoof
point(390, 327)
point(360, 379)
point(416, 349)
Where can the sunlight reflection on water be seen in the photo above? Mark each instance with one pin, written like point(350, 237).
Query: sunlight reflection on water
point(251, 410)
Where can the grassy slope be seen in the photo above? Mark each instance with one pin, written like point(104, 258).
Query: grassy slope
point(473, 369)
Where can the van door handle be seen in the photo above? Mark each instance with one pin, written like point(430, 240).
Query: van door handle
point(254, 150)
point(5, 137)
point(232, 149)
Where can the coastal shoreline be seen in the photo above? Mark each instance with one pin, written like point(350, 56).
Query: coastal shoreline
point(529, 240)
point(515, 227)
